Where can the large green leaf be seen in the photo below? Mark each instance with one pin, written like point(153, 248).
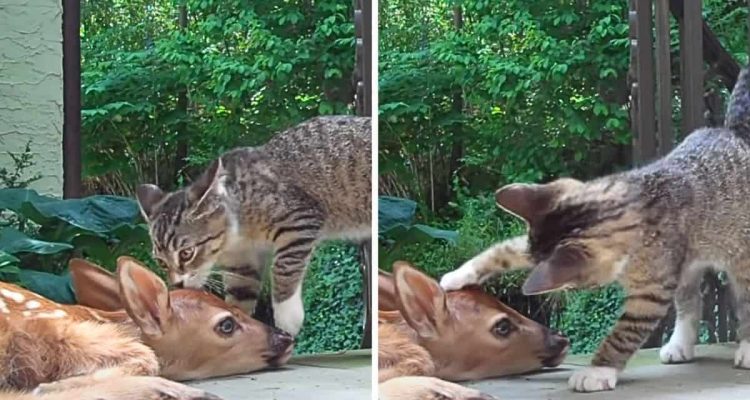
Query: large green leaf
point(405, 234)
point(8, 267)
point(58, 288)
point(393, 211)
point(96, 213)
point(13, 241)
point(14, 199)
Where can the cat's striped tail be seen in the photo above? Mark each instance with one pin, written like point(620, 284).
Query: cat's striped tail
point(738, 111)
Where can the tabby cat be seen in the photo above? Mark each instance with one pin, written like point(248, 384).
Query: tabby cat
point(655, 229)
point(308, 183)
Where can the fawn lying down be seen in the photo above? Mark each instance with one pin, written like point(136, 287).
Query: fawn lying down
point(459, 335)
point(76, 351)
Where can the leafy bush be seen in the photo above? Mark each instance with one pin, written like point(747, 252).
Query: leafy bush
point(588, 316)
point(334, 311)
point(396, 230)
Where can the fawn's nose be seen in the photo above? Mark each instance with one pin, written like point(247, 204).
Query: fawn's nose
point(280, 341)
point(557, 342)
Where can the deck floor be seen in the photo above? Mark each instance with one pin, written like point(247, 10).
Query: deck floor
point(339, 376)
point(710, 376)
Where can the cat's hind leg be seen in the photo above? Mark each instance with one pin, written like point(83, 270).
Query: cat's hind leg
point(681, 345)
point(740, 279)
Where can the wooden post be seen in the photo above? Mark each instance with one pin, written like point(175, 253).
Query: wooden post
point(642, 74)
point(691, 66)
point(663, 79)
point(71, 140)
point(363, 103)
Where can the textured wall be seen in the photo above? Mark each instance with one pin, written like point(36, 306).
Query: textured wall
point(31, 86)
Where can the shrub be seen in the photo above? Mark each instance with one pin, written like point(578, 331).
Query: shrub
point(333, 301)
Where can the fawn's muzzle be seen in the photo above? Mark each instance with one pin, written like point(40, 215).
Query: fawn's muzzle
point(281, 345)
point(556, 346)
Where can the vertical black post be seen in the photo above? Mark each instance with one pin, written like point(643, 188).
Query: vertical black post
point(363, 102)
point(691, 61)
point(71, 99)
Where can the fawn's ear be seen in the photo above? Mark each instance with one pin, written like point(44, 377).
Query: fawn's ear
point(387, 299)
point(421, 300)
point(94, 286)
point(145, 296)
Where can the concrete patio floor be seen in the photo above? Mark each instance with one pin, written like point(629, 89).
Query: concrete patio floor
point(337, 376)
point(710, 376)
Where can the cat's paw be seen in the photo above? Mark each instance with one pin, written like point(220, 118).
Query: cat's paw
point(593, 379)
point(676, 352)
point(460, 278)
point(742, 355)
point(289, 314)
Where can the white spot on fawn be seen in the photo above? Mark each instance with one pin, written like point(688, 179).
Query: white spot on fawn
point(26, 313)
point(33, 305)
point(4, 307)
point(53, 314)
point(8, 294)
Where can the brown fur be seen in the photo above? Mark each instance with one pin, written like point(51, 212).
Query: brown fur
point(64, 348)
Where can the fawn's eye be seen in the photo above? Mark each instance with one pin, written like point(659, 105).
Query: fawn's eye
point(186, 254)
point(502, 328)
point(226, 326)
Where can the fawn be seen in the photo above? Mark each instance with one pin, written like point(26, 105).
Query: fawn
point(77, 351)
point(426, 333)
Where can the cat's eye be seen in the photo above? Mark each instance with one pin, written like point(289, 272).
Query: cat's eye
point(502, 328)
point(186, 254)
point(161, 263)
point(226, 326)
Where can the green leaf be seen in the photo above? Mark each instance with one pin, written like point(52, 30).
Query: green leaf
point(13, 241)
point(393, 211)
point(58, 288)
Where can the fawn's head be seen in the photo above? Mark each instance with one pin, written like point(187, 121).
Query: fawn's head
point(468, 333)
point(195, 334)
point(579, 233)
point(188, 227)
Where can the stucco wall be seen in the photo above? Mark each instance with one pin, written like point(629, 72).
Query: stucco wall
point(31, 86)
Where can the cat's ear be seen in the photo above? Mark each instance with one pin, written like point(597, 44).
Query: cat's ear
point(564, 269)
point(148, 197)
point(208, 184)
point(387, 299)
point(528, 201)
point(421, 300)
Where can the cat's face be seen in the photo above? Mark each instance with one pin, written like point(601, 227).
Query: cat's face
point(188, 227)
point(579, 233)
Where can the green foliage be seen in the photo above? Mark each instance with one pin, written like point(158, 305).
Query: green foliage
point(588, 316)
point(42, 233)
point(233, 74)
point(334, 311)
point(397, 230)
point(18, 176)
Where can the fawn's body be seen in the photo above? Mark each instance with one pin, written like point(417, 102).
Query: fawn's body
point(461, 335)
point(179, 335)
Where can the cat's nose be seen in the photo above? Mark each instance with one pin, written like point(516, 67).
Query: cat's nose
point(178, 285)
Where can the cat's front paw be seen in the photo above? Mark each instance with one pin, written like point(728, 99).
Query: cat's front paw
point(742, 355)
point(675, 352)
point(593, 379)
point(460, 278)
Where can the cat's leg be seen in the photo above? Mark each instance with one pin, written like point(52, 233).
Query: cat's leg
point(740, 278)
point(243, 277)
point(681, 345)
point(501, 257)
point(293, 251)
point(644, 308)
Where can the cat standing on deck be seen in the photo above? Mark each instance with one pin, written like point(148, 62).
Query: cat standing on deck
point(656, 229)
point(308, 183)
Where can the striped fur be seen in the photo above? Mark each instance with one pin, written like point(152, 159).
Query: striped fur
point(307, 184)
point(655, 229)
